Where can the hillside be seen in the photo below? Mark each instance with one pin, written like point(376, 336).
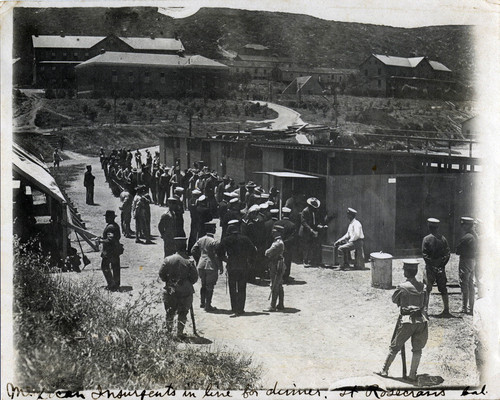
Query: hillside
point(303, 38)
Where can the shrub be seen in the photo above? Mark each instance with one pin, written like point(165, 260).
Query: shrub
point(92, 114)
point(130, 106)
point(101, 102)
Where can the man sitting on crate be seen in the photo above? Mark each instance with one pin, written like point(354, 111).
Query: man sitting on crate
point(352, 240)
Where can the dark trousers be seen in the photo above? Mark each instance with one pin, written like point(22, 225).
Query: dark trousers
point(90, 195)
point(287, 256)
point(110, 267)
point(237, 282)
point(161, 196)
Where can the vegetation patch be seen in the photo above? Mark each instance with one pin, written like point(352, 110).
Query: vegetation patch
point(71, 335)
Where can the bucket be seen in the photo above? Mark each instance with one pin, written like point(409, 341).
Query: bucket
point(381, 270)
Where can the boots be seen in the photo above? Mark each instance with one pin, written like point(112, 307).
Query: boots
point(168, 326)
point(203, 291)
point(415, 361)
point(208, 300)
point(446, 305)
point(388, 361)
point(180, 329)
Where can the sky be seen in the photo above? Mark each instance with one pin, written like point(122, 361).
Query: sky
point(401, 13)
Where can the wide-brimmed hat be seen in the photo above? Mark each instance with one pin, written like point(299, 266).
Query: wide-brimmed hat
point(313, 202)
point(110, 213)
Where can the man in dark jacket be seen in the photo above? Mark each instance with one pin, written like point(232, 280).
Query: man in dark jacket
point(308, 231)
point(168, 227)
point(111, 251)
point(288, 235)
point(467, 249)
point(436, 254)
point(238, 252)
point(88, 182)
point(179, 273)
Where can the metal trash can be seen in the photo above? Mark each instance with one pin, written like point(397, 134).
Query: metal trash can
point(381, 270)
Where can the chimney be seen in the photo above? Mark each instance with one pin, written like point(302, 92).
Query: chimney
point(62, 34)
point(102, 51)
point(152, 35)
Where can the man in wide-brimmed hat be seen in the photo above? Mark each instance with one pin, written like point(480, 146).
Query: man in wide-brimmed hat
point(467, 250)
point(308, 232)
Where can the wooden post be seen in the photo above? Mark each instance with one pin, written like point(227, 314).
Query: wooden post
point(470, 148)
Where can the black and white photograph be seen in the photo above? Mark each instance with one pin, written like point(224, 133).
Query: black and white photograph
point(270, 199)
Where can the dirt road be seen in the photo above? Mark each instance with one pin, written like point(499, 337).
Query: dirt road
point(335, 326)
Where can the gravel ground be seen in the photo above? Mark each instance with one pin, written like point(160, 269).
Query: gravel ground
point(335, 326)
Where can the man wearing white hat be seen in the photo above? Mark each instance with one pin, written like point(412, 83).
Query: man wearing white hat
point(436, 253)
point(410, 297)
point(308, 232)
point(467, 249)
point(352, 240)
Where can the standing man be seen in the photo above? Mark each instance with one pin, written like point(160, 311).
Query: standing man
point(57, 158)
point(88, 182)
point(238, 252)
point(352, 240)
point(126, 213)
point(288, 236)
point(308, 231)
point(111, 251)
point(276, 269)
point(204, 252)
point(467, 249)
point(410, 297)
point(436, 253)
point(179, 274)
point(168, 227)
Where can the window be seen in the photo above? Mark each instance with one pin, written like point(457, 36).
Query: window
point(75, 55)
point(146, 77)
point(53, 68)
point(340, 78)
point(42, 68)
point(379, 83)
point(162, 77)
point(87, 54)
point(53, 55)
point(380, 71)
point(131, 77)
point(65, 55)
point(114, 77)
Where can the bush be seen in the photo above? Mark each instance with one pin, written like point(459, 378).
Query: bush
point(49, 94)
point(69, 335)
point(101, 102)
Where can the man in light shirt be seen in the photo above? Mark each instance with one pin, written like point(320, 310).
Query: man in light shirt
point(352, 240)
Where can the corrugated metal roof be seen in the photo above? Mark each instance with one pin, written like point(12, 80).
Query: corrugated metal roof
point(165, 60)
point(139, 43)
point(69, 42)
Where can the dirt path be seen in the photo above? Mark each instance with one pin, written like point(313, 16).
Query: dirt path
point(335, 326)
point(286, 116)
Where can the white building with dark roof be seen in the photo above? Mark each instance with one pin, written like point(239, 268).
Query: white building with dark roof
point(406, 77)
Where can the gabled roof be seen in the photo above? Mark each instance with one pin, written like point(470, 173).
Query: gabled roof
point(437, 66)
point(146, 59)
point(68, 42)
point(410, 62)
point(86, 42)
point(301, 81)
point(139, 43)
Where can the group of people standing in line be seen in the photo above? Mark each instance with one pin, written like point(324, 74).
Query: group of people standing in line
point(259, 239)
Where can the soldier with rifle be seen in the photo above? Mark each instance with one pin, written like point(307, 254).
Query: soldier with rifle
point(178, 271)
point(410, 297)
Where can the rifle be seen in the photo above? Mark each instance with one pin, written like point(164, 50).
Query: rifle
point(191, 311)
point(403, 350)
point(85, 259)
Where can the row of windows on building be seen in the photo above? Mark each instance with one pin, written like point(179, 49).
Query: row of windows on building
point(65, 55)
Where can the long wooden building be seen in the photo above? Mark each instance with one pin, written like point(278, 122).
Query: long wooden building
point(394, 191)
